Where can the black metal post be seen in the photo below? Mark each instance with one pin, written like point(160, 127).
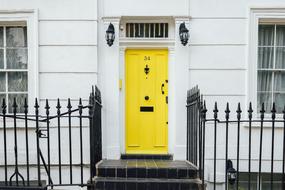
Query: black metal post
point(238, 142)
point(38, 141)
point(4, 107)
point(215, 143)
point(59, 139)
point(273, 116)
point(47, 107)
point(227, 111)
point(80, 135)
point(249, 145)
point(283, 160)
point(262, 111)
point(204, 117)
point(27, 141)
point(70, 139)
point(14, 106)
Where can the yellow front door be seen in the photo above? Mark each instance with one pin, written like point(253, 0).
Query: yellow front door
point(146, 102)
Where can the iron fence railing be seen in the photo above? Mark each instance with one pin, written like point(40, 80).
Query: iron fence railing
point(47, 139)
point(253, 157)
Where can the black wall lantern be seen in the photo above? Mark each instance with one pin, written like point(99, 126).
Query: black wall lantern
point(183, 33)
point(110, 34)
point(231, 172)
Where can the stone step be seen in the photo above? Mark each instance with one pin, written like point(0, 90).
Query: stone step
point(163, 169)
point(107, 183)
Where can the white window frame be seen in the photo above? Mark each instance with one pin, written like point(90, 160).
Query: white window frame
point(30, 17)
point(258, 15)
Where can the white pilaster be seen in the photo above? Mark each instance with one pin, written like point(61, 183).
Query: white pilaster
point(109, 82)
point(179, 91)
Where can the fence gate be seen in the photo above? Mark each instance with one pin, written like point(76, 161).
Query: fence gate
point(41, 148)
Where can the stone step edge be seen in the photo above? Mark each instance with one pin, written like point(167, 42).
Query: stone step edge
point(146, 180)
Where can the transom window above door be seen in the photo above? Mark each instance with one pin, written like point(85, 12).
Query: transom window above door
point(13, 65)
point(271, 66)
point(147, 30)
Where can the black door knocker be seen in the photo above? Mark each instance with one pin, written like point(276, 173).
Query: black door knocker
point(146, 69)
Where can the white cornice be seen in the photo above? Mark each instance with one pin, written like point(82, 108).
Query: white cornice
point(111, 19)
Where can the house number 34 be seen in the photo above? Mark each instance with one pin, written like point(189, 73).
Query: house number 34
point(146, 58)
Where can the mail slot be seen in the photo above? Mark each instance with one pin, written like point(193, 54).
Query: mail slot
point(146, 108)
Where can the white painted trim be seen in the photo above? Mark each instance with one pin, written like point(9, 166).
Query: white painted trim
point(30, 17)
point(126, 43)
point(256, 14)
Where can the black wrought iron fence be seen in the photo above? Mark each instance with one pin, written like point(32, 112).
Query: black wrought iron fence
point(47, 139)
point(194, 152)
point(236, 142)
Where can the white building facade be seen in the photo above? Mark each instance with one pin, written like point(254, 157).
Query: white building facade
point(62, 52)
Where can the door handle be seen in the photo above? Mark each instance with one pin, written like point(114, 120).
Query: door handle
point(162, 86)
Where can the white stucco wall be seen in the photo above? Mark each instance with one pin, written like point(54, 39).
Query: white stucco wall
point(67, 68)
point(216, 58)
point(219, 64)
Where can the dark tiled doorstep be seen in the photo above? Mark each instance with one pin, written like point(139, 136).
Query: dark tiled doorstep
point(146, 163)
point(171, 173)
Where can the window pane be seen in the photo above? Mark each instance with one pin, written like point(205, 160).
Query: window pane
point(2, 82)
point(279, 100)
point(266, 35)
point(152, 30)
point(157, 30)
point(279, 81)
point(1, 59)
point(141, 30)
point(264, 82)
point(265, 57)
point(147, 30)
point(17, 82)
point(131, 30)
point(136, 30)
point(280, 58)
point(1, 37)
point(20, 99)
point(17, 58)
point(280, 35)
point(16, 36)
point(265, 98)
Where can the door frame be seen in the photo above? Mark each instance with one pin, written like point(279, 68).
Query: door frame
point(155, 44)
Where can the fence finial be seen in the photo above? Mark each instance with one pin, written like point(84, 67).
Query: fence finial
point(14, 106)
point(227, 111)
point(25, 106)
point(4, 106)
point(262, 111)
point(204, 110)
point(80, 106)
point(238, 111)
point(47, 107)
point(273, 111)
point(250, 110)
point(58, 106)
point(283, 113)
point(69, 104)
point(216, 111)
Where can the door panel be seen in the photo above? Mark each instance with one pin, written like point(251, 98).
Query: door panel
point(146, 105)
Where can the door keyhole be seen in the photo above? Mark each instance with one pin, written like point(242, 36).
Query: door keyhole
point(146, 98)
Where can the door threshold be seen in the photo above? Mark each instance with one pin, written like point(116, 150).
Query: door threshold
point(147, 156)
